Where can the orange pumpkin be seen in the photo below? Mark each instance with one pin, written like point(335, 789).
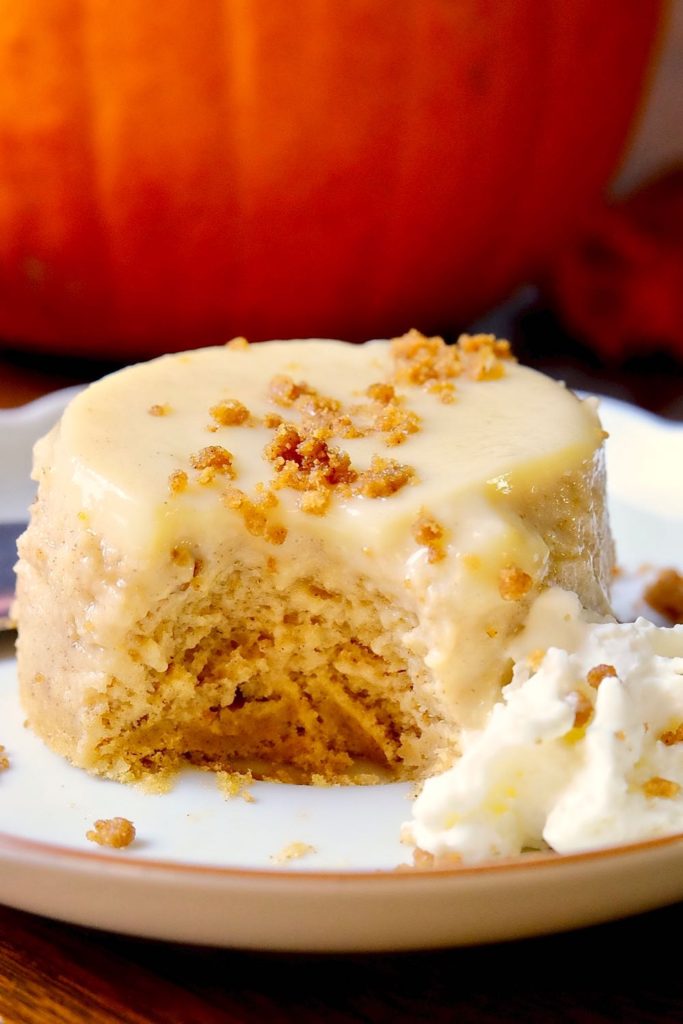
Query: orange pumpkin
point(175, 173)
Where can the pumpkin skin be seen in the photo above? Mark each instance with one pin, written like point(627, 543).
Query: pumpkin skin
point(173, 174)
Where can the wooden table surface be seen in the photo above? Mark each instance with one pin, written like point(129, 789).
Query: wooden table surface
point(629, 971)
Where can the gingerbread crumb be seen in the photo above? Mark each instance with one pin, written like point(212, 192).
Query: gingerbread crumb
point(4, 759)
point(599, 672)
point(284, 391)
point(444, 390)
point(323, 415)
point(672, 736)
point(429, 533)
point(343, 426)
point(665, 595)
point(583, 709)
point(381, 392)
point(114, 832)
point(384, 478)
point(177, 481)
point(212, 461)
point(266, 498)
point(255, 513)
point(483, 356)
point(238, 343)
point(272, 420)
point(304, 461)
point(513, 583)
point(397, 423)
point(315, 503)
point(420, 360)
point(159, 410)
point(319, 407)
point(293, 851)
point(229, 413)
point(319, 412)
point(659, 787)
point(275, 533)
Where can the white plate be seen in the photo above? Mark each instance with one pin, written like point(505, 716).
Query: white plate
point(202, 868)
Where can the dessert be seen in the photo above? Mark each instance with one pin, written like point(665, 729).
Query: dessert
point(294, 556)
point(584, 750)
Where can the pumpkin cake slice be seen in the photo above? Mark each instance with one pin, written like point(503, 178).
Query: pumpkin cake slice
point(299, 555)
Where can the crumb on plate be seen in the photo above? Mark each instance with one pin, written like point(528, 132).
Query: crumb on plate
point(293, 851)
point(114, 832)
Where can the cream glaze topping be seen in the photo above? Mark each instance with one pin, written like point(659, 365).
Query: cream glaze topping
point(477, 461)
point(498, 436)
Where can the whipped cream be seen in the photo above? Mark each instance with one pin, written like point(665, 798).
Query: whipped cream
point(585, 748)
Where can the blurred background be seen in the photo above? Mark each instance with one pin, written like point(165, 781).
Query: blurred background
point(172, 178)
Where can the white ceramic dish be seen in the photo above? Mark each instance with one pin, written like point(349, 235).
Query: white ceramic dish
point(203, 867)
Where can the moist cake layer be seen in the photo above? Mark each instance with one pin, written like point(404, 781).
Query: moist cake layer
point(299, 553)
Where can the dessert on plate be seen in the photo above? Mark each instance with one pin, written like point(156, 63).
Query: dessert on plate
point(300, 556)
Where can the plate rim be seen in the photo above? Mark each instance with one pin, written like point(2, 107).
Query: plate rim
point(532, 860)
